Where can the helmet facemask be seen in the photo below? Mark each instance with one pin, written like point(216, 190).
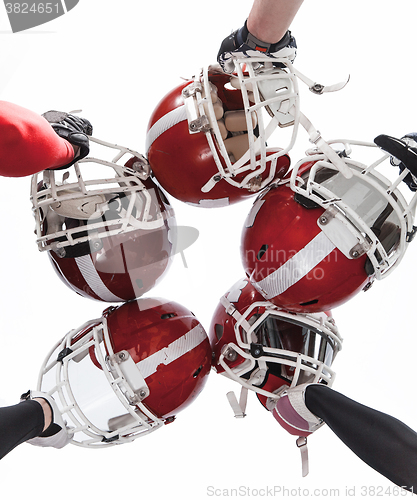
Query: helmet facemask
point(99, 392)
point(84, 207)
point(297, 348)
point(238, 138)
point(364, 214)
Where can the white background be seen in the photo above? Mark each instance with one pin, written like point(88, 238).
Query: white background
point(115, 61)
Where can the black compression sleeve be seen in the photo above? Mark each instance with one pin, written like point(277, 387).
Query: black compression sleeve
point(383, 442)
point(19, 423)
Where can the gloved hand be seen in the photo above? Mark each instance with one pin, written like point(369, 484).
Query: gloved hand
point(403, 155)
point(73, 129)
point(242, 43)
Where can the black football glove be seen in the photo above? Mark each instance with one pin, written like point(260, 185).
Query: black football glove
point(242, 43)
point(403, 155)
point(73, 129)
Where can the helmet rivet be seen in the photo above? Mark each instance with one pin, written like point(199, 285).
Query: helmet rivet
point(355, 254)
point(142, 393)
point(95, 244)
point(230, 354)
point(323, 220)
point(61, 252)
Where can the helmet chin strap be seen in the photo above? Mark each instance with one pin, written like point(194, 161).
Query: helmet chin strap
point(291, 114)
point(238, 407)
point(302, 445)
point(324, 147)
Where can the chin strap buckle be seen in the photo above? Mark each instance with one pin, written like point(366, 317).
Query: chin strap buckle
point(302, 444)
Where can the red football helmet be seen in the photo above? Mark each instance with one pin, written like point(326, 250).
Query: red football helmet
point(266, 349)
point(206, 140)
point(311, 244)
point(108, 229)
point(127, 373)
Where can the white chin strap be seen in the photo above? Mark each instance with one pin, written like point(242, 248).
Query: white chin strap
point(238, 407)
point(324, 147)
point(302, 445)
point(314, 134)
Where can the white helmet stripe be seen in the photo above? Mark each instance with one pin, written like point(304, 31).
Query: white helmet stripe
point(175, 350)
point(250, 219)
point(295, 268)
point(167, 121)
point(93, 280)
point(220, 202)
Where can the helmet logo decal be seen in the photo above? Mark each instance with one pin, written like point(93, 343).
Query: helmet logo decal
point(167, 121)
point(175, 350)
point(298, 266)
point(93, 280)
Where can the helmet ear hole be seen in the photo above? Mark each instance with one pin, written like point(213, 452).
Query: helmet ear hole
point(309, 303)
point(262, 252)
point(218, 329)
point(197, 372)
point(168, 315)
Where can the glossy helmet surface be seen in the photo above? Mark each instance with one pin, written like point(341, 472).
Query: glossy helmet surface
point(207, 138)
point(312, 244)
point(108, 229)
point(266, 349)
point(127, 373)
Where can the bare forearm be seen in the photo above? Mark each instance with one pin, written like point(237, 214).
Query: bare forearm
point(270, 19)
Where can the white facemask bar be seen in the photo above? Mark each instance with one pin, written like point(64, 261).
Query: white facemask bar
point(353, 224)
point(249, 83)
point(253, 75)
point(126, 180)
point(319, 322)
point(124, 379)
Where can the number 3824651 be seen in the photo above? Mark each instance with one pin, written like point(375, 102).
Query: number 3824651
point(34, 8)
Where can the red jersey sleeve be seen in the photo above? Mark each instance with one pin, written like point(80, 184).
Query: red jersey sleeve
point(28, 143)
